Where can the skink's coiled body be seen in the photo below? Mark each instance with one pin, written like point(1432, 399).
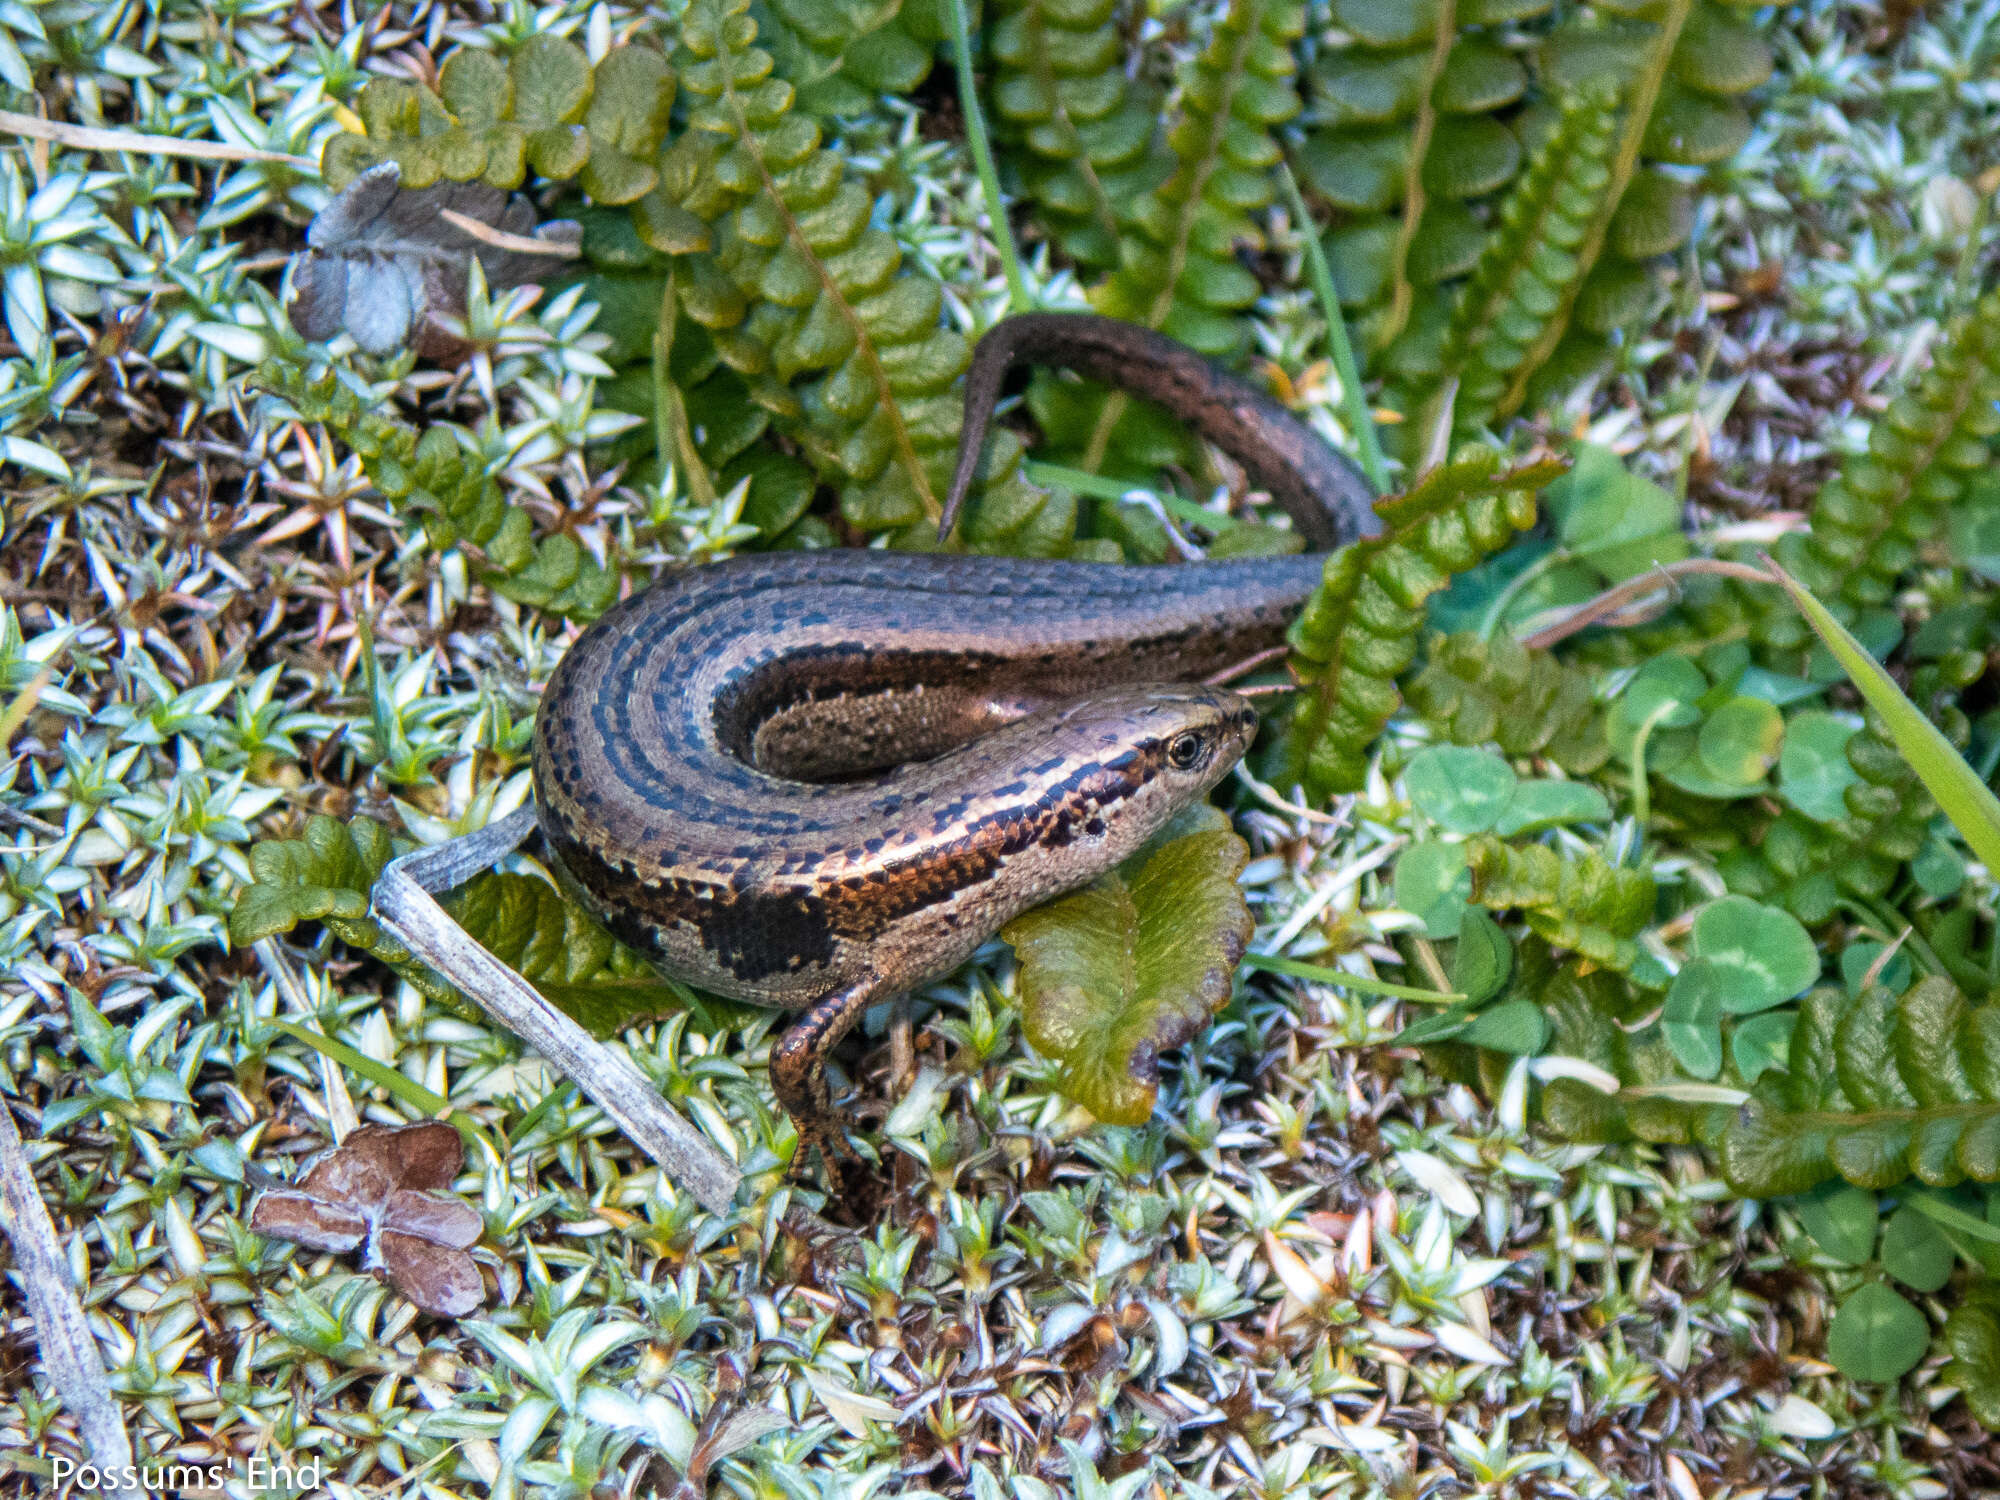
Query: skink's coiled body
point(813, 780)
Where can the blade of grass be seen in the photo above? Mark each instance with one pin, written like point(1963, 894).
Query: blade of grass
point(1019, 298)
point(1941, 1212)
point(1352, 396)
point(1098, 487)
point(1320, 974)
point(381, 1075)
point(1966, 800)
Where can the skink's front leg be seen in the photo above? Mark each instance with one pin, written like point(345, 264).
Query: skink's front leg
point(798, 1068)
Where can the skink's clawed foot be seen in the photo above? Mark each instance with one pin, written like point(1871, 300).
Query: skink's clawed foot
point(798, 1077)
point(834, 1149)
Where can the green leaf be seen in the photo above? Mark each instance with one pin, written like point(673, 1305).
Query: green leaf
point(325, 876)
point(581, 968)
point(1859, 956)
point(1739, 741)
point(1764, 955)
point(1692, 1018)
point(552, 82)
point(1938, 869)
point(1842, 1219)
point(1666, 691)
point(1759, 1043)
point(1813, 773)
point(1514, 1026)
point(1877, 1336)
point(1539, 805)
point(1972, 1334)
point(1484, 959)
point(1620, 522)
point(1433, 882)
point(1463, 791)
point(1135, 963)
point(380, 1074)
point(1975, 531)
point(1957, 788)
point(1915, 1251)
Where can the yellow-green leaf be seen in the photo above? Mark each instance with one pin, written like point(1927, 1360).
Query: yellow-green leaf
point(1134, 963)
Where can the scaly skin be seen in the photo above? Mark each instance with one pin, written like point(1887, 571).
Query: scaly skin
point(817, 780)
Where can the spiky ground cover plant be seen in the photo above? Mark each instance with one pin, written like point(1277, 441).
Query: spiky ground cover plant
point(253, 612)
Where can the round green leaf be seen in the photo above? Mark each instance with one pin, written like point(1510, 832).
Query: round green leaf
point(1877, 1336)
point(1938, 869)
point(1692, 1019)
point(1841, 1219)
point(1619, 522)
point(1813, 773)
point(1432, 882)
point(1915, 1251)
point(1768, 955)
point(1739, 741)
point(1687, 772)
point(1461, 790)
point(1759, 1044)
point(1668, 685)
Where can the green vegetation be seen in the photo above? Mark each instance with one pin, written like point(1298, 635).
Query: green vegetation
point(1568, 1055)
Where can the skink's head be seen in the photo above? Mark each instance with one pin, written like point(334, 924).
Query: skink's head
point(1189, 732)
point(1141, 754)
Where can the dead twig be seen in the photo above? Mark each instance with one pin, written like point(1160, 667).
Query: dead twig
point(404, 906)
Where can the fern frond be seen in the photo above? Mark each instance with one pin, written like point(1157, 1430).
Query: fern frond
point(327, 876)
point(544, 108)
point(1177, 266)
point(1972, 1334)
point(1178, 270)
point(1636, 131)
point(1359, 629)
point(1085, 133)
point(1586, 904)
point(440, 475)
point(1409, 156)
point(1476, 691)
point(1414, 159)
point(1806, 866)
point(1869, 523)
point(1531, 262)
point(1415, 197)
point(1877, 1088)
point(844, 55)
point(812, 304)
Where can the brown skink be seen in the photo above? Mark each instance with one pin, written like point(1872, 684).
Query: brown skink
point(817, 780)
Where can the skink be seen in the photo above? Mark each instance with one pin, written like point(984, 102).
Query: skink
point(817, 780)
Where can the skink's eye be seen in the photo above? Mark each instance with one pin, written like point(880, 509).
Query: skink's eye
point(1186, 751)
